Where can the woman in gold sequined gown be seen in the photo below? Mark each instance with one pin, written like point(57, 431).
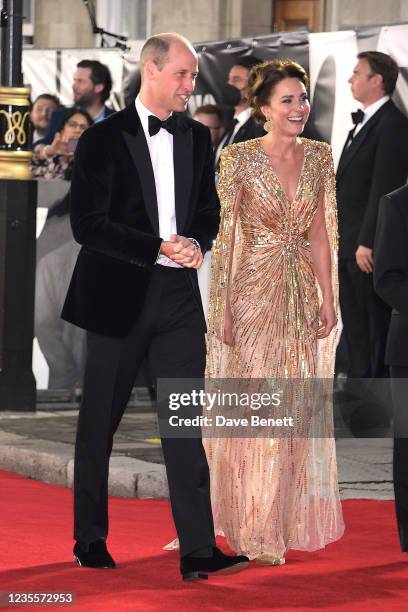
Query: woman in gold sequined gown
point(272, 315)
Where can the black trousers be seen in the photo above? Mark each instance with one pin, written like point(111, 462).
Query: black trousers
point(364, 401)
point(365, 319)
point(171, 332)
point(400, 459)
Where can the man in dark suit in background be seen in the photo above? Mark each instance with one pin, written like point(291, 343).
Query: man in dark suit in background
point(374, 161)
point(243, 127)
point(144, 208)
point(391, 283)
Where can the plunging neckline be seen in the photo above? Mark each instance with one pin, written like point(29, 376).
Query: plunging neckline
point(291, 202)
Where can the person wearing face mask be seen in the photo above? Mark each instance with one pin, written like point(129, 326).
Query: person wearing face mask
point(243, 126)
point(273, 317)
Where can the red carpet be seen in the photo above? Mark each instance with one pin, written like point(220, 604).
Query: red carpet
point(363, 571)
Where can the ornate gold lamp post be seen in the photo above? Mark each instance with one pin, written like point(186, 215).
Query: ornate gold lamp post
point(14, 129)
point(18, 202)
point(15, 153)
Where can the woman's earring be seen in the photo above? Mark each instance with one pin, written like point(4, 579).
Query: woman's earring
point(268, 125)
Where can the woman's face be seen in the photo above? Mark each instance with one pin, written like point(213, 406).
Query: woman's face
point(74, 127)
point(288, 108)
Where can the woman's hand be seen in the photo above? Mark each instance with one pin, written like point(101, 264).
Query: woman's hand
point(328, 319)
point(58, 147)
point(228, 337)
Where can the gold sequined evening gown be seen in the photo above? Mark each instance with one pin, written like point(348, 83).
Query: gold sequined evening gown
point(270, 495)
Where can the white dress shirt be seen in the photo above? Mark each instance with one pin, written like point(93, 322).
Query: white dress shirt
point(369, 112)
point(161, 155)
point(241, 118)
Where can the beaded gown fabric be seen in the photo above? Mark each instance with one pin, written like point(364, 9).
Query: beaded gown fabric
point(273, 494)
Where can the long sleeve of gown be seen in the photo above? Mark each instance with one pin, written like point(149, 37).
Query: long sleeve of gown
point(327, 347)
point(223, 256)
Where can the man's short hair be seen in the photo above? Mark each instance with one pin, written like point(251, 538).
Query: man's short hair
point(49, 97)
point(157, 47)
point(210, 109)
point(100, 74)
point(383, 64)
point(248, 62)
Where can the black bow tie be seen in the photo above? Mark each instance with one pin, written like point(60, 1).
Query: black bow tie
point(155, 124)
point(357, 117)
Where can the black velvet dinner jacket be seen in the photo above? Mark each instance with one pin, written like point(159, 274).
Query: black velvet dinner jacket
point(375, 163)
point(391, 270)
point(114, 217)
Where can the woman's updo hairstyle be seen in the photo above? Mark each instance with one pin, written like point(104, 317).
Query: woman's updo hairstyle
point(264, 77)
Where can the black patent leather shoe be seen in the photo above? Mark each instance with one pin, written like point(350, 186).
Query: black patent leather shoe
point(97, 556)
point(198, 568)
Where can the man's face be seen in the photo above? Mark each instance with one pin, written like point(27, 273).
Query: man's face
point(364, 83)
point(41, 113)
point(84, 90)
point(174, 83)
point(212, 121)
point(238, 77)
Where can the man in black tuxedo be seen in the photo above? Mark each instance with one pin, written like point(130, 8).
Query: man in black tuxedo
point(374, 161)
point(391, 283)
point(243, 126)
point(144, 208)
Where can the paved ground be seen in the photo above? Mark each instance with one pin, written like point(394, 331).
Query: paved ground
point(40, 445)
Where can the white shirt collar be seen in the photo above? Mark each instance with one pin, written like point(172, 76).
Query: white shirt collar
point(243, 116)
point(144, 113)
point(373, 108)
